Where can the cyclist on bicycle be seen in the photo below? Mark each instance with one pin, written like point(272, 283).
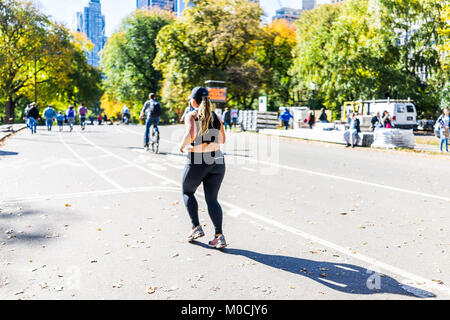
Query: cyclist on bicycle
point(152, 112)
point(82, 112)
point(126, 115)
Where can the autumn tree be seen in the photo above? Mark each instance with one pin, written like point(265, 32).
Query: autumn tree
point(36, 52)
point(275, 53)
point(213, 40)
point(371, 50)
point(127, 60)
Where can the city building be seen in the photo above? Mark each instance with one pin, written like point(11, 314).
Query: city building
point(161, 4)
point(291, 14)
point(308, 4)
point(288, 14)
point(91, 22)
point(181, 5)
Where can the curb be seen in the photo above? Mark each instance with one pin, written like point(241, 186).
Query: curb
point(2, 139)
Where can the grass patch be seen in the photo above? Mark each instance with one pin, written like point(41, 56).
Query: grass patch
point(430, 141)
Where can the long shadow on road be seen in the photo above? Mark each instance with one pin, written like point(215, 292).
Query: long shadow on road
point(342, 277)
point(8, 153)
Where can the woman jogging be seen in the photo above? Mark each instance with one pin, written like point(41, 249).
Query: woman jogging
point(206, 164)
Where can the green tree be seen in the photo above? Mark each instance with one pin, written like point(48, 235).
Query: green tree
point(127, 60)
point(214, 40)
point(32, 45)
point(370, 49)
point(275, 53)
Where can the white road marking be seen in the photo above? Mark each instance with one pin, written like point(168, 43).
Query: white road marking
point(335, 177)
point(350, 253)
point(114, 169)
point(90, 194)
point(90, 166)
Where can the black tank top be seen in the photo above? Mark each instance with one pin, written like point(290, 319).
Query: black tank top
point(210, 136)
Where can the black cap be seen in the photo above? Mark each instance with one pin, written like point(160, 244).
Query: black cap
point(198, 93)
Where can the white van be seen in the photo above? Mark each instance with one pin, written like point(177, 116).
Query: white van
point(403, 112)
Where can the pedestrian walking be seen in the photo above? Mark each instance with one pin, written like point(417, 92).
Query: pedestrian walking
point(285, 118)
point(376, 121)
point(25, 115)
point(189, 109)
point(71, 113)
point(351, 136)
point(206, 164)
point(311, 120)
point(49, 115)
point(82, 112)
point(33, 117)
point(387, 120)
point(323, 116)
point(444, 124)
point(60, 120)
point(227, 119)
point(234, 117)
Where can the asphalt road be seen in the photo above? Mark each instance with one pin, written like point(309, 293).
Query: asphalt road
point(91, 215)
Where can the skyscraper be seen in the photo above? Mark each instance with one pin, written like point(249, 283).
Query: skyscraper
point(161, 4)
point(288, 14)
point(291, 14)
point(91, 22)
point(308, 4)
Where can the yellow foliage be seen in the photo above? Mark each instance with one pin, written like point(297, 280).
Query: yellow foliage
point(111, 106)
point(81, 42)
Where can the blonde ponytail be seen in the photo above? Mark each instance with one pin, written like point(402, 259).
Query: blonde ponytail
point(205, 115)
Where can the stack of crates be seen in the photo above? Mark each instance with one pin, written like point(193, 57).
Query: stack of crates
point(267, 120)
point(252, 120)
point(248, 120)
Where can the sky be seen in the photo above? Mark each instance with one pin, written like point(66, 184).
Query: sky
point(116, 10)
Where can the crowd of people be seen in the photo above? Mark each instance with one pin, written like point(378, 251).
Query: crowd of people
point(32, 116)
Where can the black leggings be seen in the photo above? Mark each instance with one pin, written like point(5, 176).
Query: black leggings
point(211, 172)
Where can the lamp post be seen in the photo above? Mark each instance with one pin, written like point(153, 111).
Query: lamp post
point(36, 58)
point(313, 87)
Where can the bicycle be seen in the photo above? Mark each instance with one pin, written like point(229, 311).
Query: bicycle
point(154, 139)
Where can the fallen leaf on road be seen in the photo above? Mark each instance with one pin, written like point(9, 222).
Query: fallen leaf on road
point(150, 290)
point(44, 285)
point(60, 288)
point(94, 261)
point(438, 281)
point(19, 292)
point(68, 205)
point(118, 285)
point(175, 255)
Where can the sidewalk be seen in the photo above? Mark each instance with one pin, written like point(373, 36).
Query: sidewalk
point(9, 129)
point(333, 136)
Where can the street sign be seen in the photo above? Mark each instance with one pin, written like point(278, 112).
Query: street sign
point(218, 94)
point(263, 104)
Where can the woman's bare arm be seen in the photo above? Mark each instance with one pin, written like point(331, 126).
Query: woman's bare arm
point(189, 133)
point(222, 136)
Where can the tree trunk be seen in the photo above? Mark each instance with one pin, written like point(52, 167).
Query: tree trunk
point(9, 112)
